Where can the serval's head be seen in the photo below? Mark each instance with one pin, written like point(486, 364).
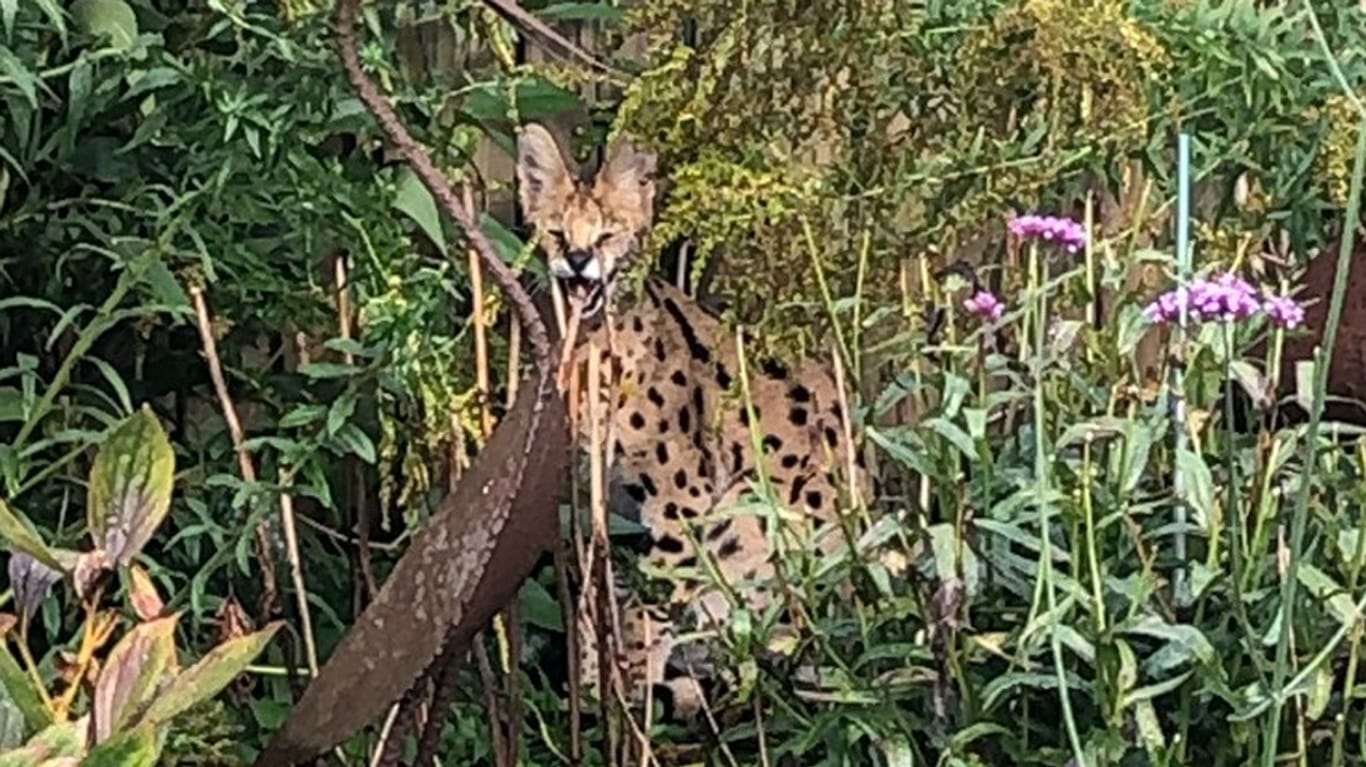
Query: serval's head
point(589, 229)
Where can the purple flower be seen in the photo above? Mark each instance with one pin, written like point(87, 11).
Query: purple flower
point(1227, 297)
point(1064, 231)
point(985, 305)
point(1284, 311)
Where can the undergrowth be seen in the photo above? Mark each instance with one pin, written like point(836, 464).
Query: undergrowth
point(184, 185)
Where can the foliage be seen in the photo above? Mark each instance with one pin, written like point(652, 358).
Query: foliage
point(826, 159)
point(135, 692)
point(914, 129)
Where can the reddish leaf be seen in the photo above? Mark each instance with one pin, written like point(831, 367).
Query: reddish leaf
point(90, 569)
point(143, 594)
point(131, 675)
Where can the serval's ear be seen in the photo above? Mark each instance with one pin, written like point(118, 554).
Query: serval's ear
point(626, 184)
point(543, 179)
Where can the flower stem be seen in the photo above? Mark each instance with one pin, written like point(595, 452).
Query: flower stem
point(1041, 486)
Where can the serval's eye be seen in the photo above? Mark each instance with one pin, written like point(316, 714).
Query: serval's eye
point(603, 239)
point(557, 235)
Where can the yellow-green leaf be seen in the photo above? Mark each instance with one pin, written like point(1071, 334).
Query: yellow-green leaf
point(113, 20)
point(22, 536)
point(138, 747)
point(211, 674)
point(130, 486)
point(63, 739)
point(413, 199)
point(131, 675)
point(20, 690)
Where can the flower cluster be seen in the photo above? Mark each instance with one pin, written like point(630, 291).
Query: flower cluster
point(986, 305)
point(1063, 231)
point(1227, 297)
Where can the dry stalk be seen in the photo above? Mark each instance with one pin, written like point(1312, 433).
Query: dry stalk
point(378, 752)
point(481, 657)
point(598, 552)
point(359, 497)
point(270, 591)
point(296, 573)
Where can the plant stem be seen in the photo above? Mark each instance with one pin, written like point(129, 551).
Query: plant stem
point(1323, 361)
point(101, 322)
point(1041, 497)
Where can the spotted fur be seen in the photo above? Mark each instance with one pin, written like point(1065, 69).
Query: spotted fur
point(684, 452)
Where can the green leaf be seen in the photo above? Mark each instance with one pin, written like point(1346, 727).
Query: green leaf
point(11, 405)
point(131, 675)
point(53, 10)
point(581, 12)
point(340, 412)
point(12, 724)
point(24, 79)
point(1199, 485)
point(113, 20)
point(1321, 693)
point(130, 486)
point(351, 439)
point(415, 201)
point(508, 245)
point(1138, 444)
point(1146, 693)
point(955, 435)
point(949, 547)
point(8, 9)
point(539, 608)
point(64, 739)
point(1183, 643)
point(1149, 729)
point(302, 415)
point(138, 747)
point(21, 534)
point(164, 285)
point(209, 676)
point(328, 370)
point(1328, 591)
point(1304, 384)
point(19, 689)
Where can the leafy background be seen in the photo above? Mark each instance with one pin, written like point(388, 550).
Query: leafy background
point(828, 163)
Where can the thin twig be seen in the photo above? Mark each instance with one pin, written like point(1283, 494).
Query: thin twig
point(270, 593)
point(571, 630)
point(296, 573)
point(361, 501)
point(527, 22)
point(481, 657)
point(391, 750)
point(384, 733)
point(442, 697)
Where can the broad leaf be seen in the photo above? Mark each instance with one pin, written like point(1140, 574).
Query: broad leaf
point(65, 739)
point(130, 486)
point(12, 723)
point(413, 200)
point(210, 675)
point(131, 675)
point(142, 593)
point(32, 581)
point(138, 747)
point(21, 535)
point(19, 689)
point(113, 20)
